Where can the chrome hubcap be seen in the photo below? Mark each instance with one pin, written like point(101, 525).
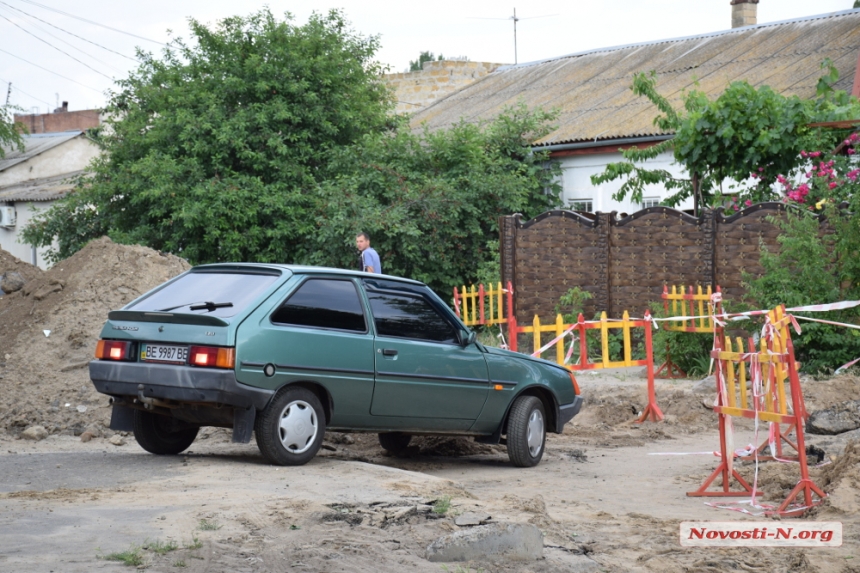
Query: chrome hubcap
point(298, 427)
point(536, 433)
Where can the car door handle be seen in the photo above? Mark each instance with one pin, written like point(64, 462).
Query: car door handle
point(389, 352)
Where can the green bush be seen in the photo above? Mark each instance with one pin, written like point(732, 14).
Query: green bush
point(808, 270)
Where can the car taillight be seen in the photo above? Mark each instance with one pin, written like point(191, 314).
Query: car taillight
point(212, 356)
point(575, 385)
point(113, 350)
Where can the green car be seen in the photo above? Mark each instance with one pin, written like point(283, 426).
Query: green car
point(288, 352)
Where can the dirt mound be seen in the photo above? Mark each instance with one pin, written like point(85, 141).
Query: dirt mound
point(841, 481)
point(829, 392)
point(50, 329)
point(11, 264)
point(619, 407)
point(16, 269)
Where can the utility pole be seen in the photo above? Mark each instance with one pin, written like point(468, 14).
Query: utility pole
point(514, 18)
point(8, 94)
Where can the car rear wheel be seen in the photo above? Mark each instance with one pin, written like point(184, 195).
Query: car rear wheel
point(526, 432)
point(394, 442)
point(290, 430)
point(160, 435)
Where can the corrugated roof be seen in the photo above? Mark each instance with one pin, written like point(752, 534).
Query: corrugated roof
point(43, 189)
point(34, 145)
point(593, 92)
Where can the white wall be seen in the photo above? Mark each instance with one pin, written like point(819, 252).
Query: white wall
point(68, 157)
point(576, 181)
point(9, 239)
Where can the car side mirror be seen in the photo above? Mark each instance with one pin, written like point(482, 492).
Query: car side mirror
point(466, 337)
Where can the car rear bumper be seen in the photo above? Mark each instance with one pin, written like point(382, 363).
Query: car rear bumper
point(179, 383)
point(566, 412)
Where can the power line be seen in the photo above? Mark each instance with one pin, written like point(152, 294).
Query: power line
point(55, 47)
point(93, 23)
point(70, 33)
point(51, 72)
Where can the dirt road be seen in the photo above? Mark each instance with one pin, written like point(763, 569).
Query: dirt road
point(602, 500)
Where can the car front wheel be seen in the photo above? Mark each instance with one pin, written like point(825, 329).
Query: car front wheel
point(290, 430)
point(526, 432)
point(159, 435)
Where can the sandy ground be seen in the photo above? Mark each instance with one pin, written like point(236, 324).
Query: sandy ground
point(602, 500)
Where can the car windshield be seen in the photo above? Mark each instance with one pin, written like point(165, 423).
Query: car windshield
point(194, 292)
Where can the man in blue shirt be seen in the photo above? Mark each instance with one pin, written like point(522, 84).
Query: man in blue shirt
point(369, 257)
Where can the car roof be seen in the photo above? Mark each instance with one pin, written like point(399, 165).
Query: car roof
point(305, 270)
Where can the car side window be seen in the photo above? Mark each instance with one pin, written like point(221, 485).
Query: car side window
point(323, 303)
point(404, 316)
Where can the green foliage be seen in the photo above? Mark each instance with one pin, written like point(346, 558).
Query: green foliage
point(214, 150)
point(442, 505)
point(570, 304)
point(745, 131)
point(208, 525)
point(690, 351)
point(9, 131)
point(269, 142)
point(132, 557)
point(809, 269)
point(430, 201)
point(418, 65)
point(161, 547)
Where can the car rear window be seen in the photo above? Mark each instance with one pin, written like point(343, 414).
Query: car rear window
point(323, 303)
point(229, 292)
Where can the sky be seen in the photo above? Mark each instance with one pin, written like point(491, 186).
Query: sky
point(46, 65)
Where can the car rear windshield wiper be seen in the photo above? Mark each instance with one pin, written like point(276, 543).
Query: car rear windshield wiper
point(209, 306)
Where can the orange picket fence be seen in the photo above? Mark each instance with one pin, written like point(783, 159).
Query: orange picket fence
point(475, 306)
point(700, 307)
point(751, 384)
point(480, 306)
point(603, 358)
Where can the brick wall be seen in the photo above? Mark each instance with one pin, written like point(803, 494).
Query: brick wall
point(416, 90)
point(59, 121)
point(624, 263)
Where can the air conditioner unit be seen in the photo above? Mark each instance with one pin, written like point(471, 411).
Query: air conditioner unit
point(7, 216)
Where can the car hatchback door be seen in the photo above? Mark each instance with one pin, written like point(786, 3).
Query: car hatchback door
point(422, 370)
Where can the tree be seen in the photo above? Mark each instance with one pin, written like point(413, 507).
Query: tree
point(431, 200)
point(744, 133)
point(214, 151)
point(418, 65)
point(10, 134)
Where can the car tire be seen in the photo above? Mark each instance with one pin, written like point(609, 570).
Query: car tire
point(526, 434)
point(157, 434)
point(394, 442)
point(290, 430)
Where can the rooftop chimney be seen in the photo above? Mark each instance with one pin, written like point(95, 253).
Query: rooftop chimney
point(743, 13)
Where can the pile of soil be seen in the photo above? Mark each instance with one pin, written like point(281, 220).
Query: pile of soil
point(841, 481)
point(50, 329)
point(11, 264)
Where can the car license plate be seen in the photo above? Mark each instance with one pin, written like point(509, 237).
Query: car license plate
point(162, 353)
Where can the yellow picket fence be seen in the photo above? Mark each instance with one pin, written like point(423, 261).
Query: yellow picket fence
point(680, 303)
point(481, 306)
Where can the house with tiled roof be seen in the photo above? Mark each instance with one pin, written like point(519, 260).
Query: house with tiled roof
point(599, 114)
